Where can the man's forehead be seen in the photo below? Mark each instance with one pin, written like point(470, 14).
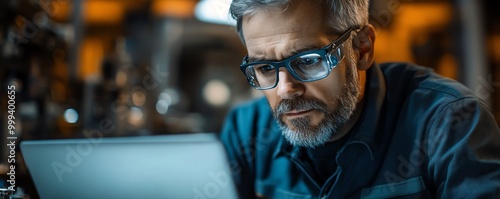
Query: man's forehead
point(256, 58)
point(275, 33)
point(279, 47)
point(286, 20)
point(280, 43)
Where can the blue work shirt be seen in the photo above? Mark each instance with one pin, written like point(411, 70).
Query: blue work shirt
point(419, 136)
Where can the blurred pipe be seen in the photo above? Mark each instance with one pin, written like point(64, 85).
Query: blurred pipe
point(473, 70)
point(88, 101)
point(168, 34)
point(77, 21)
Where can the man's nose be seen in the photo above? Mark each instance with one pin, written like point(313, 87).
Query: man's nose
point(288, 86)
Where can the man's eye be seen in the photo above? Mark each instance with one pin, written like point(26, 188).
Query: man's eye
point(309, 61)
point(265, 68)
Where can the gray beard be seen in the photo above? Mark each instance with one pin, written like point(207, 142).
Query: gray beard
point(307, 135)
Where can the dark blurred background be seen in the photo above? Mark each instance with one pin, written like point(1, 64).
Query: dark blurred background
point(147, 67)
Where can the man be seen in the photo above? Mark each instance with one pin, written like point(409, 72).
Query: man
point(334, 124)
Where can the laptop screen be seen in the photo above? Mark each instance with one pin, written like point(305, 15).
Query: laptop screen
point(170, 166)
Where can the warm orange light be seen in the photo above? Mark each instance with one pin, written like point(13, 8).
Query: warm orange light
point(103, 11)
point(91, 55)
point(174, 8)
point(60, 10)
point(494, 47)
point(394, 44)
point(410, 26)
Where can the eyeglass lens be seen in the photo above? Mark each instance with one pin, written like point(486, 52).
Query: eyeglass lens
point(308, 67)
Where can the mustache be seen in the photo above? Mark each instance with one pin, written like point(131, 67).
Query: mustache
point(288, 105)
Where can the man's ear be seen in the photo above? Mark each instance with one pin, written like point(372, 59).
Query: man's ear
point(364, 46)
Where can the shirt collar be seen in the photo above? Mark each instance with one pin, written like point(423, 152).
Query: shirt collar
point(364, 131)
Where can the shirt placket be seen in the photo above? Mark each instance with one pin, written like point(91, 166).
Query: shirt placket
point(331, 182)
point(305, 168)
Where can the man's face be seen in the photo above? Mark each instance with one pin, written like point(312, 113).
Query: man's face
point(308, 113)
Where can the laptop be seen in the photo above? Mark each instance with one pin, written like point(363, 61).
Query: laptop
point(192, 166)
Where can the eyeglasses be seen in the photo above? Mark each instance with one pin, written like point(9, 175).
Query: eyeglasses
point(307, 66)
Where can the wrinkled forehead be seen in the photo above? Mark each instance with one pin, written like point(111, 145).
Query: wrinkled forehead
point(300, 14)
point(294, 17)
point(275, 33)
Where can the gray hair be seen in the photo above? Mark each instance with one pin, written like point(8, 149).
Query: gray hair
point(343, 13)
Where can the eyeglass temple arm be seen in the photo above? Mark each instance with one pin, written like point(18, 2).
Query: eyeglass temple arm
point(346, 35)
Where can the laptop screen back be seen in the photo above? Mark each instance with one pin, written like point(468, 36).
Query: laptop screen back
point(171, 166)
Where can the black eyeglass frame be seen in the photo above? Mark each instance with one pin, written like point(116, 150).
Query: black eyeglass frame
point(324, 52)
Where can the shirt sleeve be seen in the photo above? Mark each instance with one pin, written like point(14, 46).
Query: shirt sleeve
point(239, 153)
point(464, 149)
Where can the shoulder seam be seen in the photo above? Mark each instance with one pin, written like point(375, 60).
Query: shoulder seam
point(448, 93)
point(440, 112)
